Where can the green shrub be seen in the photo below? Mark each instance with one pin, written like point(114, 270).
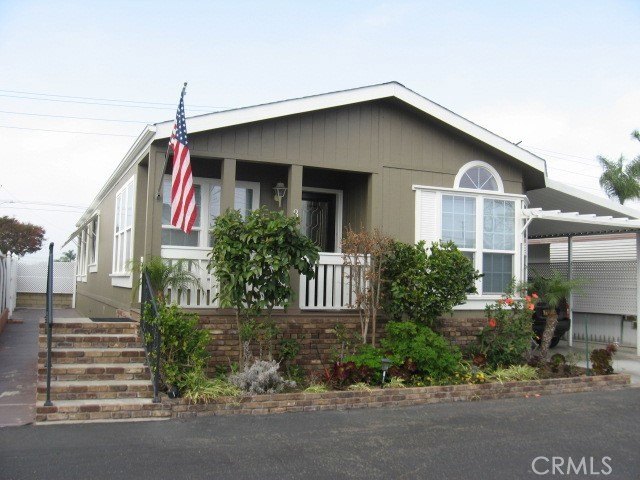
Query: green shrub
point(514, 373)
point(183, 347)
point(422, 284)
point(197, 388)
point(428, 352)
point(507, 338)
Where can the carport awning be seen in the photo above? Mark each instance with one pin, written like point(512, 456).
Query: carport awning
point(559, 210)
point(554, 223)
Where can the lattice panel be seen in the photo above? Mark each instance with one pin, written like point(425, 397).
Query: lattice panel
point(611, 287)
point(32, 277)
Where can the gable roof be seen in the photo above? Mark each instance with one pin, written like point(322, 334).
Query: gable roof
point(340, 98)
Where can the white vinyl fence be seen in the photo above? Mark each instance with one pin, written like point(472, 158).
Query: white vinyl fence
point(8, 268)
point(32, 277)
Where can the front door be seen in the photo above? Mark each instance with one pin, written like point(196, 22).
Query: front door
point(319, 219)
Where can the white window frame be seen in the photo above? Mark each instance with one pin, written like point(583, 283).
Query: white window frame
point(123, 277)
point(480, 300)
point(203, 230)
point(478, 163)
point(93, 266)
point(81, 262)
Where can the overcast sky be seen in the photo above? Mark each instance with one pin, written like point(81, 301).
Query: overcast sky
point(563, 77)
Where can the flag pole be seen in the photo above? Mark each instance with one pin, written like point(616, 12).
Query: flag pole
point(166, 154)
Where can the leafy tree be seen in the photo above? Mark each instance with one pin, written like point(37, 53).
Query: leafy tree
point(68, 256)
point(421, 284)
point(253, 259)
point(620, 178)
point(365, 254)
point(19, 238)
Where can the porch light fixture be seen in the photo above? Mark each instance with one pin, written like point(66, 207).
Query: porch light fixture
point(386, 363)
point(279, 192)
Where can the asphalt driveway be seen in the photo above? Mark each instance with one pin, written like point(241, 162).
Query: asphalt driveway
point(484, 440)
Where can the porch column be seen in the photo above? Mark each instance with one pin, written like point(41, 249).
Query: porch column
point(153, 211)
point(570, 277)
point(294, 206)
point(637, 292)
point(294, 190)
point(228, 190)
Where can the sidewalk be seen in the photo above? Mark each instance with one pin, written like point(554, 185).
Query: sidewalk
point(19, 366)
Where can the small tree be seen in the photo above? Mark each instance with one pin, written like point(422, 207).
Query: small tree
point(163, 275)
point(365, 254)
point(253, 259)
point(68, 256)
point(19, 238)
point(552, 290)
point(421, 284)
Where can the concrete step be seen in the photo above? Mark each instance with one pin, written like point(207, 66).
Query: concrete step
point(82, 410)
point(95, 389)
point(86, 326)
point(95, 371)
point(83, 340)
point(92, 355)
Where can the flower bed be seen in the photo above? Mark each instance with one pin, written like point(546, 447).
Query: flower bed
point(392, 397)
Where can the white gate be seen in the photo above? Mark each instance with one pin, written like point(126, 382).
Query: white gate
point(8, 267)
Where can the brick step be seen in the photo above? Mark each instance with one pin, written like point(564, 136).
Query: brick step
point(82, 340)
point(67, 326)
point(81, 410)
point(96, 389)
point(93, 355)
point(95, 371)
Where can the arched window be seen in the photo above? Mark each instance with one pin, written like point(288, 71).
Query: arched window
point(478, 175)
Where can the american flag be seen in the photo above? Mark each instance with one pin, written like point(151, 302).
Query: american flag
point(183, 202)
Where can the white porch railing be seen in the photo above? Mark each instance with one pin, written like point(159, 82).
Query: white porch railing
point(193, 297)
point(331, 288)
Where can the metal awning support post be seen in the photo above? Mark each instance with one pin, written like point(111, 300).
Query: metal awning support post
point(570, 277)
point(637, 292)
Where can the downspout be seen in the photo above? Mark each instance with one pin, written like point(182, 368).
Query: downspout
point(570, 277)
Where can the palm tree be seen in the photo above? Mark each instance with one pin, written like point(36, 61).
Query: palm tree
point(620, 179)
point(163, 275)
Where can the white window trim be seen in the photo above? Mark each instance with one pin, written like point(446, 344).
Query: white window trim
point(81, 266)
point(203, 230)
point(478, 163)
point(338, 223)
point(93, 267)
point(479, 301)
point(123, 278)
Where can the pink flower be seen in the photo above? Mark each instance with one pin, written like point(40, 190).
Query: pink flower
point(534, 295)
point(508, 301)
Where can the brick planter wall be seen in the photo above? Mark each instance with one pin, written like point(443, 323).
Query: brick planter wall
point(460, 331)
point(337, 400)
point(346, 400)
point(39, 300)
point(313, 330)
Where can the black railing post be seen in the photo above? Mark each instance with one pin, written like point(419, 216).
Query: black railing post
point(49, 322)
point(151, 347)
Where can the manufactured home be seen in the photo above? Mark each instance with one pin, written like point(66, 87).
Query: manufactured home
point(377, 156)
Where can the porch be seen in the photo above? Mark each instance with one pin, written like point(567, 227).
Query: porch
point(326, 200)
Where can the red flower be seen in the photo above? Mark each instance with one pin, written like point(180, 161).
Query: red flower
point(534, 295)
point(493, 323)
point(508, 301)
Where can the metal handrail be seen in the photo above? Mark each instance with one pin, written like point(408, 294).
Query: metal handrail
point(49, 322)
point(150, 331)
